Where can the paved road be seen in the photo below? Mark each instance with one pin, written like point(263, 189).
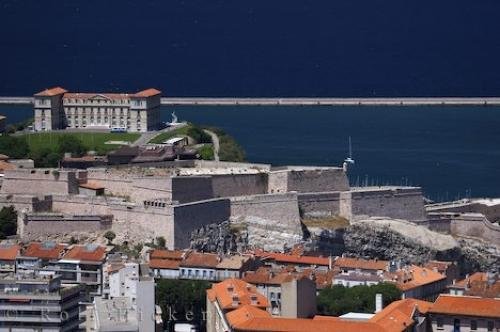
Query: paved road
point(215, 141)
point(148, 136)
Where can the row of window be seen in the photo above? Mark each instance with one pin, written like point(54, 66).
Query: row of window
point(197, 273)
point(490, 325)
point(95, 101)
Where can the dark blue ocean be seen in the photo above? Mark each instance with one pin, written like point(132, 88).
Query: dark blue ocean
point(453, 152)
point(287, 48)
point(252, 48)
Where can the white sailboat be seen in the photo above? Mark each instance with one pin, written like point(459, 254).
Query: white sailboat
point(349, 159)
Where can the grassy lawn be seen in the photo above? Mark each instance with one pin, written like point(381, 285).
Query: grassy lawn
point(92, 141)
point(334, 222)
point(169, 134)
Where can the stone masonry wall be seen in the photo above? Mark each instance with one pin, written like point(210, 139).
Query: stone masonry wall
point(192, 216)
point(191, 188)
point(41, 228)
point(116, 183)
point(40, 182)
point(280, 208)
point(397, 203)
point(228, 185)
point(318, 205)
point(149, 188)
point(307, 180)
point(27, 203)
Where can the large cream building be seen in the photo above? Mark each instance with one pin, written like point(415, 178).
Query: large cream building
point(57, 108)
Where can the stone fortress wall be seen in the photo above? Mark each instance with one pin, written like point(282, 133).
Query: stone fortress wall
point(42, 226)
point(170, 202)
point(392, 202)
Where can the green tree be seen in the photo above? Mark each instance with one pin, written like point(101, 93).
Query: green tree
point(161, 242)
point(110, 236)
point(338, 300)
point(206, 152)
point(69, 143)
point(198, 135)
point(8, 222)
point(181, 297)
point(14, 147)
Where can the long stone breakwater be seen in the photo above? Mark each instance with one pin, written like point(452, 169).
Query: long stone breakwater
point(307, 101)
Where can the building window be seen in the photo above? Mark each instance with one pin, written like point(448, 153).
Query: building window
point(491, 326)
point(473, 325)
point(439, 323)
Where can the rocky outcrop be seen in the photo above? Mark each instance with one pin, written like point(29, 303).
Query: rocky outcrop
point(400, 240)
point(220, 238)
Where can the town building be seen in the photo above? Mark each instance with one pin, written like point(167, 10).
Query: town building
point(199, 266)
point(56, 108)
point(129, 304)
point(482, 284)
point(451, 313)
point(76, 264)
point(418, 282)
point(289, 294)
point(37, 301)
point(8, 254)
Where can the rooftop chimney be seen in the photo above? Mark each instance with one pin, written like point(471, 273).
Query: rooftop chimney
point(378, 303)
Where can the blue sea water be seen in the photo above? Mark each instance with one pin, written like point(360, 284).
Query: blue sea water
point(252, 48)
point(451, 151)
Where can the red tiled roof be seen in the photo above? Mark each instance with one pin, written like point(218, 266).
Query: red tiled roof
point(265, 276)
point(147, 93)
point(233, 293)
point(297, 259)
point(398, 315)
point(466, 305)
point(358, 263)
point(44, 250)
point(171, 264)
point(51, 92)
point(416, 276)
point(89, 253)
point(243, 319)
point(9, 252)
point(478, 284)
point(94, 185)
point(166, 254)
point(198, 259)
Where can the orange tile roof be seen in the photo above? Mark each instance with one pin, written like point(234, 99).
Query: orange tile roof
point(244, 313)
point(199, 259)
point(87, 253)
point(245, 320)
point(147, 93)
point(358, 263)
point(478, 285)
point(266, 276)
point(466, 305)
point(166, 254)
point(6, 166)
point(9, 252)
point(297, 259)
point(416, 276)
point(51, 92)
point(94, 185)
point(225, 291)
point(440, 266)
point(44, 250)
point(171, 264)
point(398, 315)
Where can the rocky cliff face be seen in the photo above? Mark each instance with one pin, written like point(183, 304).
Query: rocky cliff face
point(370, 238)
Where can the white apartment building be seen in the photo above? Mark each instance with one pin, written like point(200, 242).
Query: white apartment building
point(56, 108)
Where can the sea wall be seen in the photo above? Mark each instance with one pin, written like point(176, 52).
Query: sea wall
point(192, 216)
point(393, 202)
